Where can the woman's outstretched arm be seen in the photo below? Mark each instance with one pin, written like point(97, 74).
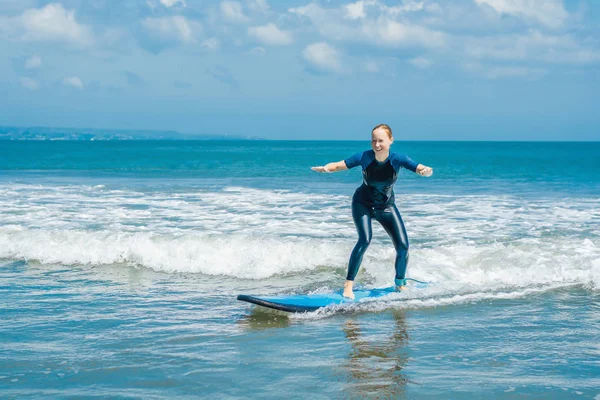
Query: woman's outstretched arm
point(331, 167)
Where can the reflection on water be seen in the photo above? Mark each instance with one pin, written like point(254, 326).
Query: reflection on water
point(263, 318)
point(376, 362)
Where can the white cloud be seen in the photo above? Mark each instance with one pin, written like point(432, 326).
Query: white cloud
point(406, 7)
point(421, 62)
point(357, 10)
point(462, 31)
point(362, 8)
point(550, 13)
point(74, 81)
point(232, 11)
point(259, 6)
point(270, 34)
point(389, 32)
point(175, 28)
point(211, 43)
point(171, 3)
point(379, 26)
point(433, 8)
point(258, 51)
point(329, 23)
point(29, 83)
point(50, 23)
point(33, 62)
point(154, 4)
point(323, 57)
point(533, 46)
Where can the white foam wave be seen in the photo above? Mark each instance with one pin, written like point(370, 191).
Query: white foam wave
point(435, 219)
point(471, 242)
point(230, 255)
point(495, 265)
point(428, 298)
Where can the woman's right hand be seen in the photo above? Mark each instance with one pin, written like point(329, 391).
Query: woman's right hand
point(320, 169)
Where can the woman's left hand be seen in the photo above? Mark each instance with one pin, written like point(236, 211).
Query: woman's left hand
point(425, 171)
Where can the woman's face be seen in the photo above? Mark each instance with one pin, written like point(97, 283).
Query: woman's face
point(380, 141)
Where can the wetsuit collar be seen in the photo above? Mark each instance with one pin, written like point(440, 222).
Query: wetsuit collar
point(381, 162)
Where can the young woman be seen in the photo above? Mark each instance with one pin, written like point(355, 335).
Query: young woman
point(375, 199)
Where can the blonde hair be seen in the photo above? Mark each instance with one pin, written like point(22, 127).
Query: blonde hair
point(385, 128)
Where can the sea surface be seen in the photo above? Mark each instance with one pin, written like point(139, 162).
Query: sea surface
point(120, 263)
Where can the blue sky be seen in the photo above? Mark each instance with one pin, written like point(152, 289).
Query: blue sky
point(433, 70)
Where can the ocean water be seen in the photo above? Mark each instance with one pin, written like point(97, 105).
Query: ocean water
point(120, 263)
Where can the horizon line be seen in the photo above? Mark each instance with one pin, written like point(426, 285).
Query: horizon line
point(252, 138)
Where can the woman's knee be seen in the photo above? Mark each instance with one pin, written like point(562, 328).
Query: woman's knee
point(364, 242)
point(402, 246)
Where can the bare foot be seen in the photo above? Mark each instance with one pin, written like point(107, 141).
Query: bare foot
point(400, 288)
point(348, 290)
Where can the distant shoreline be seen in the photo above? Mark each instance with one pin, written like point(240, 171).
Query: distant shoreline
point(94, 134)
point(18, 133)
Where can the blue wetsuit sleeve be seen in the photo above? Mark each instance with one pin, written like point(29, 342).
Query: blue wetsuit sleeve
point(353, 161)
point(402, 161)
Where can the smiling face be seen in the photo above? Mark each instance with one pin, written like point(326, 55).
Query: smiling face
point(381, 141)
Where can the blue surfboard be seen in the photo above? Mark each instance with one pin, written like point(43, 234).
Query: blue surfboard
point(312, 302)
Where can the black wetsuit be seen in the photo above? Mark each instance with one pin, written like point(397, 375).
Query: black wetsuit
point(375, 199)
